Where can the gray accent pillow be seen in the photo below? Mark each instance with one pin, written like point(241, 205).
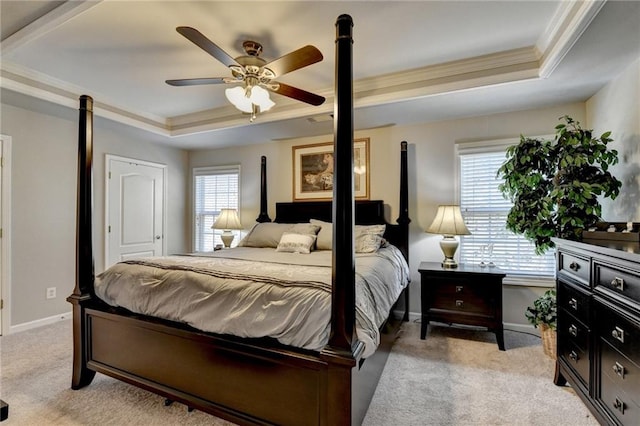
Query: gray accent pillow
point(368, 238)
point(268, 234)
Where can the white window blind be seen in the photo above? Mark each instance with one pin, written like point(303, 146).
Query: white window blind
point(215, 188)
point(485, 213)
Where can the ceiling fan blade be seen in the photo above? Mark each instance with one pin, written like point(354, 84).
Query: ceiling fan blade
point(299, 94)
point(207, 45)
point(196, 81)
point(297, 59)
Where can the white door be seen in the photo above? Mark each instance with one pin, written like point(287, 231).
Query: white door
point(135, 209)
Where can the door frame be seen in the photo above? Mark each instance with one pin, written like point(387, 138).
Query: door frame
point(5, 257)
point(107, 171)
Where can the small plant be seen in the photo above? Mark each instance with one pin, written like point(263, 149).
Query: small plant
point(544, 310)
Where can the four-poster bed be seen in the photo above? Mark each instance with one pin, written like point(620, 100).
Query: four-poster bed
point(247, 380)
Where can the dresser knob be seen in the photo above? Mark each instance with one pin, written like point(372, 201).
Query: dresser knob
point(459, 289)
point(619, 369)
point(574, 266)
point(573, 330)
point(618, 334)
point(574, 356)
point(618, 283)
point(618, 404)
point(459, 303)
point(574, 304)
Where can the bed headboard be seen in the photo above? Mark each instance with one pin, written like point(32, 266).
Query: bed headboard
point(367, 212)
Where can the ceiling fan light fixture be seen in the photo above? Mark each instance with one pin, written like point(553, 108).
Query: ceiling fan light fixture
point(237, 96)
point(245, 98)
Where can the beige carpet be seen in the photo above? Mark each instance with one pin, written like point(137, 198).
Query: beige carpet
point(455, 377)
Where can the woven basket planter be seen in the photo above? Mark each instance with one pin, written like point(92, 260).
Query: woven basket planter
point(548, 341)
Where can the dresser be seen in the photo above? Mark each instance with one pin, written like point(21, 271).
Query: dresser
point(468, 295)
point(598, 293)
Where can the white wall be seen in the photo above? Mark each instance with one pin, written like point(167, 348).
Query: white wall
point(43, 204)
point(432, 177)
point(616, 108)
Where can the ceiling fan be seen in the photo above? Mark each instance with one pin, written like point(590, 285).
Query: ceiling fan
point(256, 75)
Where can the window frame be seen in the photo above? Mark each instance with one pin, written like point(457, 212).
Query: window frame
point(495, 146)
point(207, 171)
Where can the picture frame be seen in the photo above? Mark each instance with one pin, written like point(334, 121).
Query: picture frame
point(313, 171)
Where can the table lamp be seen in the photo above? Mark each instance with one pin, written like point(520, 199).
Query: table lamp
point(448, 222)
point(227, 220)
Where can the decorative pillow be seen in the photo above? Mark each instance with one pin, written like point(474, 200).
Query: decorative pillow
point(296, 243)
point(268, 234)
point(366, 236)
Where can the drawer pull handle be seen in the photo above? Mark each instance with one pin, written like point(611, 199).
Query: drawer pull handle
point(618, 404)
point(619, 369)
point(574, 266)
point(459, 303)
point(618, 334)
point(573, 330)
point(459, 289)
point(618, 283)
point(574, 356)
point(574, 304)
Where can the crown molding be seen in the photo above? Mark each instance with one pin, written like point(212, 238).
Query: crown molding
point(45, 23)
point(569, 22)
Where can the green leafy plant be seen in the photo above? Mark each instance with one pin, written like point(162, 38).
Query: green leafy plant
point(554, 185)
point(544, 310)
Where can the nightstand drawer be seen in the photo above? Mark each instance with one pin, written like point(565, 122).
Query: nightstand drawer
point(574, 300)
point(459, 295)
point(574, 266)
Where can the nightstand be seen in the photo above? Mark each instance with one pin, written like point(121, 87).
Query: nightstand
point(468, 295)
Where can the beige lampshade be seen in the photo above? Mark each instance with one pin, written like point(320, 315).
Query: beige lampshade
point(228, 219)
point(448, 221)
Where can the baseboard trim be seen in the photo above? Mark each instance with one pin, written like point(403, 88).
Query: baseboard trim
point(39, 323)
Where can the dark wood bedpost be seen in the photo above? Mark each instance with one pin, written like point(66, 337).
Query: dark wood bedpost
point(263, 216)
point(343, 349)
point(343, 271)
point(403, 219)
point(84, 245)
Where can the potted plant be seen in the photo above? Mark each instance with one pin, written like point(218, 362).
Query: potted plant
point(554, 185)
point(544, 314)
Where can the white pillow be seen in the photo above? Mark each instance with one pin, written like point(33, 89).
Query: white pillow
point(296, 243)
point(366, 236)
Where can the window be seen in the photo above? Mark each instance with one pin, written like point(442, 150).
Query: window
point(214, 188)
point(485, 212)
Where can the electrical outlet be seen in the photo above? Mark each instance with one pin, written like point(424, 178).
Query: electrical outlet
point(51, 293)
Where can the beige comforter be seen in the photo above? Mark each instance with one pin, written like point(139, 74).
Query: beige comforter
point(256, 292)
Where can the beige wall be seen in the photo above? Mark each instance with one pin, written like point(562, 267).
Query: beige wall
point(43, 203)
point(616, 108)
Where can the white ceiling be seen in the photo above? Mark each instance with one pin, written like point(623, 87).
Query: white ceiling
point(414, 61)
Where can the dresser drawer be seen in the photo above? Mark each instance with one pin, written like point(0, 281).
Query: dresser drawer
point(573, 331)
point(576, 358)
point(618, 403)
point(574, 266)
point(623, 372)
point(574, 300)
point(617, 280)
point(619, 331)
point(462, 296)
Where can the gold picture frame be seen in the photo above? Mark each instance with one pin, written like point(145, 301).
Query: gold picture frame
point(313, 171)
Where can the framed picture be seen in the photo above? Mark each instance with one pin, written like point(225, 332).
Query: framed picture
point(313, 170)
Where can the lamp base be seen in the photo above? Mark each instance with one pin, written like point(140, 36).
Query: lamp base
point(449, 245)
point(227, 238)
